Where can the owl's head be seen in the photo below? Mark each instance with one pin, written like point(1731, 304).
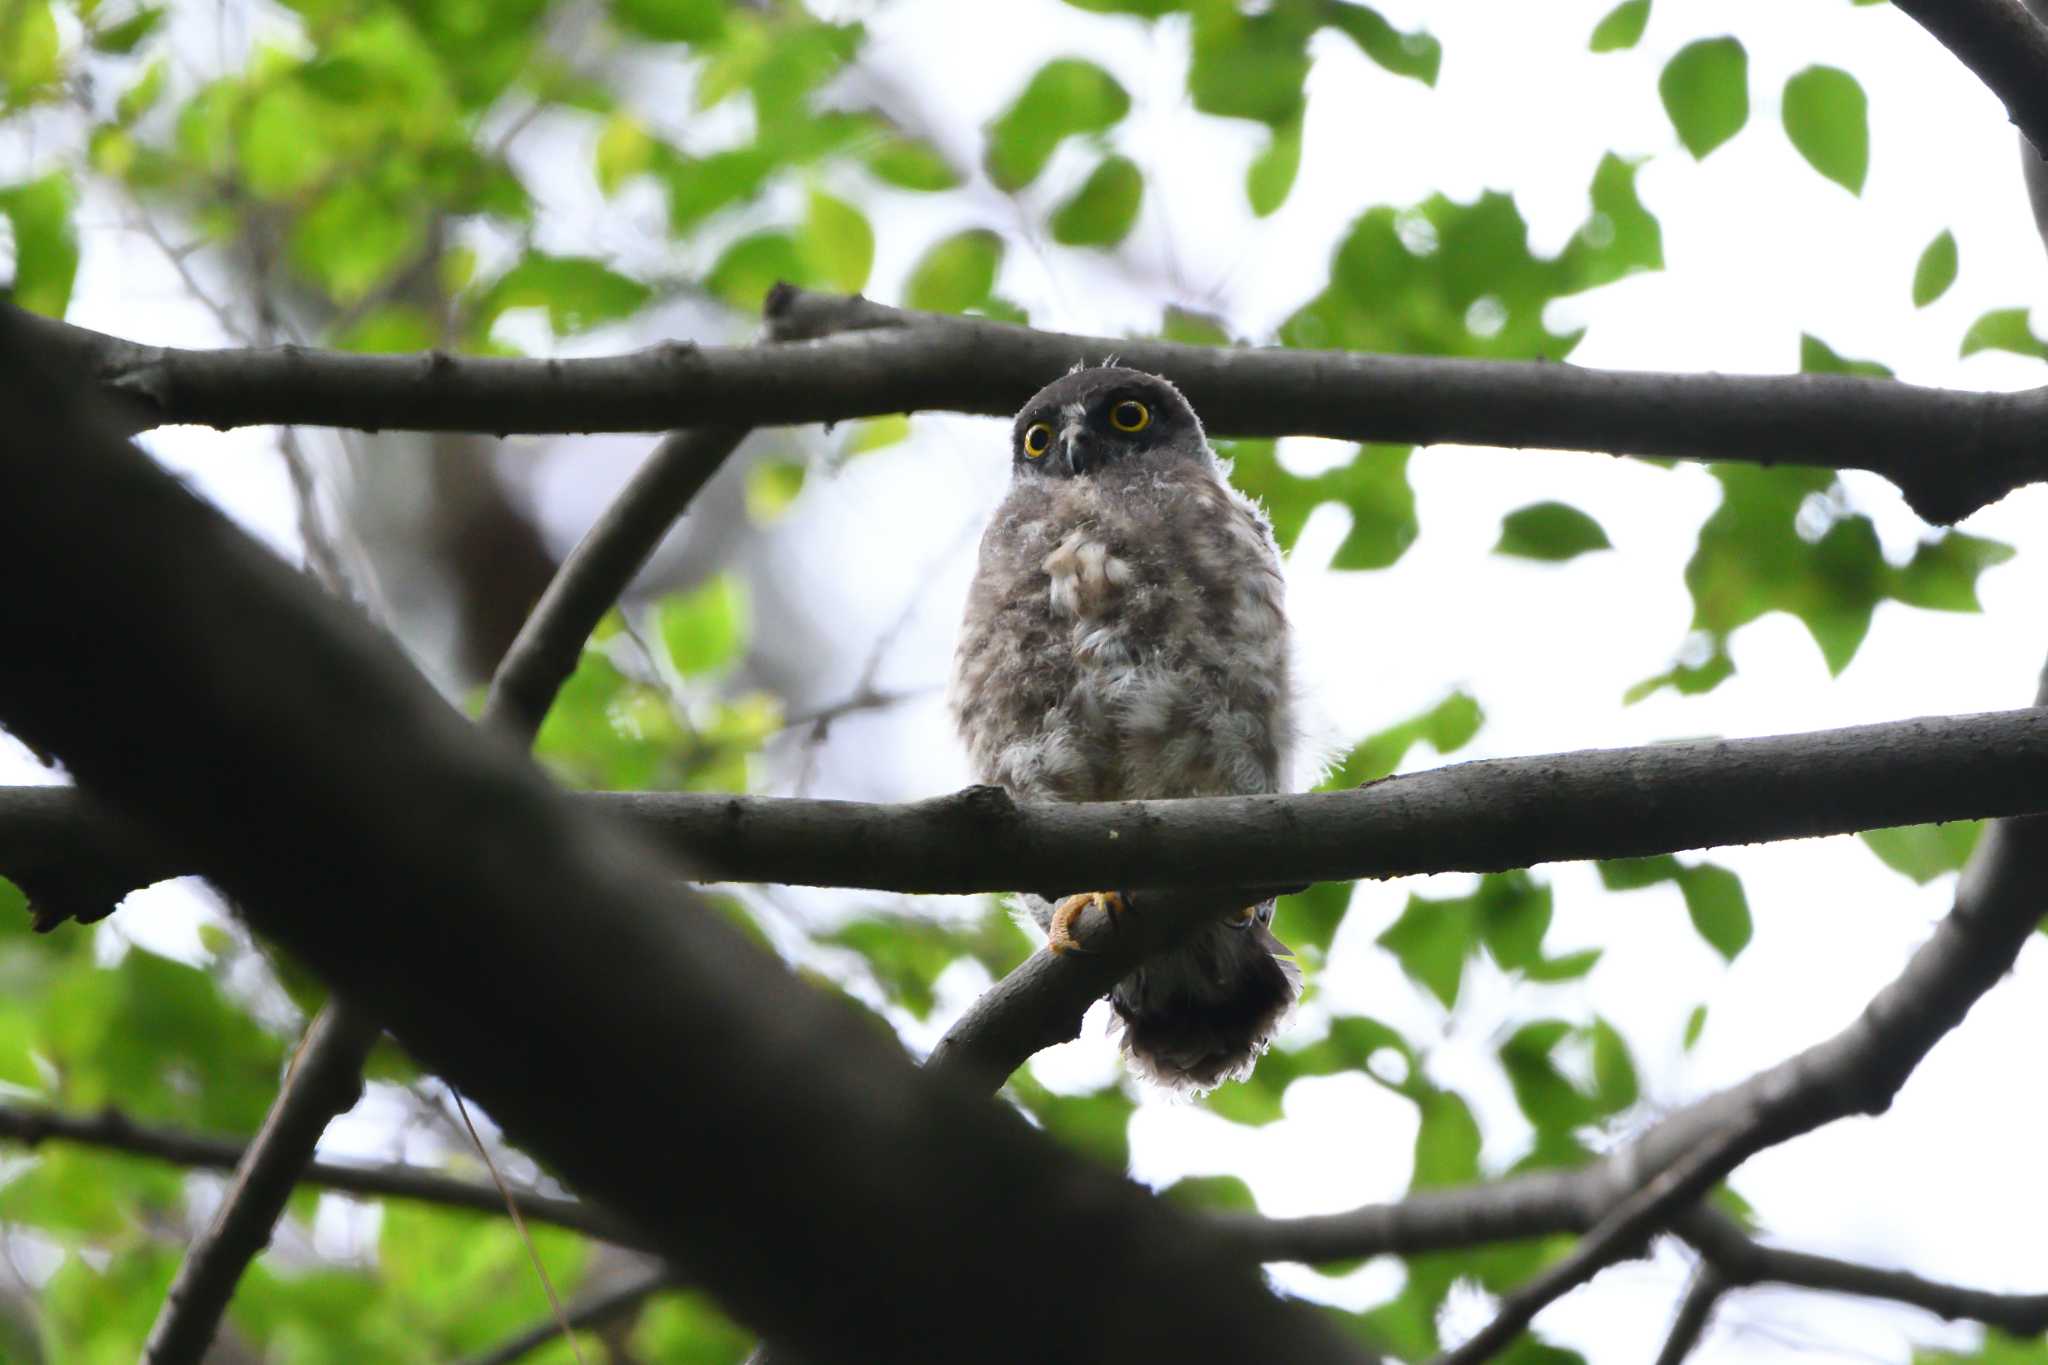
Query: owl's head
point(1087, 420)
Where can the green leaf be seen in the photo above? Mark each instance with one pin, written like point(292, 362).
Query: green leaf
point(578, 292)
point(1102, 211)
point(745, 271)
point(671, 21)
point(1447, 1142)
point(1817, 357)
point(1614, 1071)
point(139, 98)
point(353, 238)
point(1718, 907)
point(624, 149)
point(1695, 1024)
point(29, 51)
point(772, 486)
point(1271, 175)
point(911, 165)
point(124, 37)
point(2004, 329)
point(1633, 874)
point(1936, 270)
point(1943, 573)
point(1828, 119)
point(283, 146)
point(705, 630)
point(1924, 852)
point(1550, 531)
point(1705, 89)
point(955, 273)
point(1622, 27)
point(1446, 727)
point(1097, 1123)
point(45, 243)
point(1250, 66)
point(1065, 98)
point(1212, 1194)
point(1431, 941)
point(1416, 55)
point(837, 243)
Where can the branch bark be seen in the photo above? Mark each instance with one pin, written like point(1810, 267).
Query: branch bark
point(1950, 452)
point(1484, 816)
point(2002, 43)
point(521, 947)
point(594, 1310)
point(1691, 1323)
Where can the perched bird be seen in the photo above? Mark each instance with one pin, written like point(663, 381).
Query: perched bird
point(1126, 639)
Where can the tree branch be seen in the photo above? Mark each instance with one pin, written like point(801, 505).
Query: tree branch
point(530, 952)
point(1950, 452)
point(325, 1080)
point(115, 1131)
point(1484, 816)
point(1691, 1322)
point(593, 1311)
point(2004, 45)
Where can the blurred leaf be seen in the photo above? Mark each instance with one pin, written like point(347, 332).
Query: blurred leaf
point(1705, 89)
point(1924, 852)
point(1446, 727)
point(671, 21)
point(1431, 941)
point(1719, 909)
point(2004, 329)
point(1064, 98)
point(875, 433)
point(1614, 1071)
point(1097, 1123)
point(624, 149)
point(705, 630)
point(392, 330)
point(1622, 26)
point(45, 243)
point(1936, 270)
point(1695, 1024)
point(282, 145)
point(1102, 211)
point(1828, 119)
point(139, 98)
point(1271, 174)
point(352, 238)
point(1251, 66)
point(1550, 531)
point(1212, 1194)
point(1632, 874)
point(1416, 55)
point(837, 243)
point(1374, 488)
point(1943, 573)
point(578, 292)
point(911, 165)
point(124, 37)
point(687, 1329)
point(1509, 914)
point(1192, 328)
point(956, 273)
point(29, 50)
point(1447, 1142)
point(1817, 357)
point(745, 271)
point(772, 486)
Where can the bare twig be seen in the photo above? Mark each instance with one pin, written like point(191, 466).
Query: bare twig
point(115, 1131)
point(595, 1310)
point(1625, 1227)
point(325, 1080)
point(1693, 1312)
point(1950, 452)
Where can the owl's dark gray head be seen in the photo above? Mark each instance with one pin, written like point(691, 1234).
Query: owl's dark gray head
point(1086, 420)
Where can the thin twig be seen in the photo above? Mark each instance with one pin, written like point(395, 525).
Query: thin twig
point(1693, 1312)
point(594, 1310)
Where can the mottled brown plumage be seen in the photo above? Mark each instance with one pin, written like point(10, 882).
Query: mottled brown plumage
point(1126, 639)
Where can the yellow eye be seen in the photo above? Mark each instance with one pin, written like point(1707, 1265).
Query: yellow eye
point(1130, 415)
point(1037, 439)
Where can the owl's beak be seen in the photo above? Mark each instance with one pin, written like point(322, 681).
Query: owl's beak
point(1074, 446)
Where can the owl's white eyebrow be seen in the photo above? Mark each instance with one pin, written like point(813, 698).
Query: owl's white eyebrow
point(1075, 410)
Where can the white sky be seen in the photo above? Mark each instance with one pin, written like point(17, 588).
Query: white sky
point(1758, 248)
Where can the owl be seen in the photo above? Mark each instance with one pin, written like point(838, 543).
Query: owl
point(1126, 639)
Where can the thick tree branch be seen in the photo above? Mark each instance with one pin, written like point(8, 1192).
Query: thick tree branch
point(1484, 816)
point(2005, 46)
point(782, 1152)
point(1950, 452)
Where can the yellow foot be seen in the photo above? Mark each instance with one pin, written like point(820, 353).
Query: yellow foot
point(1059, 935)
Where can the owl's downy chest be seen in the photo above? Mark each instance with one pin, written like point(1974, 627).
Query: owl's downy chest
point(1126, 638)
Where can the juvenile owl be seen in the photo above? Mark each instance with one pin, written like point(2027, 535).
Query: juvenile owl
point(1126, 639)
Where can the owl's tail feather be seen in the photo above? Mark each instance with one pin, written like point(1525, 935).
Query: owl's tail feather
point(1201, 1015)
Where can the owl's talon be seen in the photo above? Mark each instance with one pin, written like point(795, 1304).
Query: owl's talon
point(1059, 934)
